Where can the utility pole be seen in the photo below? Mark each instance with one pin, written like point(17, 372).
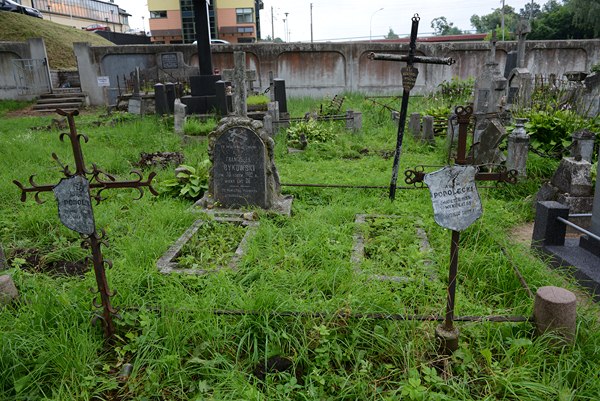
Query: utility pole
point(502, 23)
point(311, 23)
point(272, 26)
point(287, 34)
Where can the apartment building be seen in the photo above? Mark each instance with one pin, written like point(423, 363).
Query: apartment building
point(236, 21)
point(81, 13)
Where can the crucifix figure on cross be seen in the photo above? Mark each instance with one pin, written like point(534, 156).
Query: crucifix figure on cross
point(409, 78)
point(75, 209)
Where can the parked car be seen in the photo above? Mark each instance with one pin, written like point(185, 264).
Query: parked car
point(8, 5)
point(135, 32)
point(97, 27)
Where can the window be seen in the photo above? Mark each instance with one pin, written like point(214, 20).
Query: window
point(158, 14)
point(244, 15)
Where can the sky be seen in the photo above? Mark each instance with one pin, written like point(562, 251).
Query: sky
point(351, 19)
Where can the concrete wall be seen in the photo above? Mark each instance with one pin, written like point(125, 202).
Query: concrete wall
point(330, 68)
point(9, 51)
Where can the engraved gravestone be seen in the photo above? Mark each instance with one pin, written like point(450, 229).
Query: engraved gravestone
point(243, 169)
point(239, 168)
point(74, 204)
point(456, 203)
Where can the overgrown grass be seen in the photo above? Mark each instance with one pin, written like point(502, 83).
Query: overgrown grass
point(181, 350)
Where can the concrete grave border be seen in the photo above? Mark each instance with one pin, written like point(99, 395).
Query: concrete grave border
point(167, 265)
point(358, 250)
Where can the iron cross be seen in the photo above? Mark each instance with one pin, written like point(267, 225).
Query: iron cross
point(75, 209)
point(416, 177)
point(409, 78)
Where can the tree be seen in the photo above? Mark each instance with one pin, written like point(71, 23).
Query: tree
point(559, 21)
point(586, 15)
point(442, 27)
point(392, 35)
point(532, 10)
point(489, 22)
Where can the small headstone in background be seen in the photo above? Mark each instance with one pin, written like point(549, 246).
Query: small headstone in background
point(280, 94)
point(8, 290)
point(179, 116)
point(428, 135)
point(268, 124)
point(487, 150)
point(170, 91)
point(414, 124)
point(573, 177)
point(160, 99)
point(518, 148)
point(583, 144)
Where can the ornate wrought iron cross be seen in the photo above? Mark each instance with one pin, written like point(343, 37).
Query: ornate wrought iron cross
point(409, 78)
point(75, 209)
point(417, 176)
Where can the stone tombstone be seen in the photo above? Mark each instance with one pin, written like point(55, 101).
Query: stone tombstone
point(456, 203)
point(179, 116)
point(487, 150)
point(243, 171)
point(428, 135)
point(414, 124)
point(74, 204)
point(583, 144)
point(134, 106)
point(519, 88)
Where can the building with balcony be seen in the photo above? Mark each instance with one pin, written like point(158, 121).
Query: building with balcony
point(236, 21)
point(81, 13)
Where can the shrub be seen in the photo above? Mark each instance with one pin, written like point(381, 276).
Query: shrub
point(257, 99)
point(313, 132)
point(189, 182)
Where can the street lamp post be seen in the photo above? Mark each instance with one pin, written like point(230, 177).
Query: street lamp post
point(371, 24)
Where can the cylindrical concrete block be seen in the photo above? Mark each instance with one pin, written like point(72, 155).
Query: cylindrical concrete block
point(8, 290)
point(447, 339)
point(555, 309)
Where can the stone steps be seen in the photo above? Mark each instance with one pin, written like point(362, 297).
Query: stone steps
point(70, 99)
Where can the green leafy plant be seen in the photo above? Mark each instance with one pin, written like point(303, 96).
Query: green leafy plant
point(189, 182)
point(196, 127)
point(550, 130)
point(595, 68)
point(310, 131)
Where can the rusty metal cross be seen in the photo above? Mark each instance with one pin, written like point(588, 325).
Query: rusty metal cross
point(416, 177)
point(75, 209)
point(409, 78)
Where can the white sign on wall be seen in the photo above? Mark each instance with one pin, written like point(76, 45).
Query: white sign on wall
point(103, 81)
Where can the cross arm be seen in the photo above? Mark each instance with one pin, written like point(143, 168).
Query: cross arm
point(415, 59)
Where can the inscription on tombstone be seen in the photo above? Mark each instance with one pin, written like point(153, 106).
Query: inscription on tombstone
point(169, 61)
point(74, 204)
point(409, 77)
point(483, 99)
point(240, 169)
point(456, 203)
point(513, 92)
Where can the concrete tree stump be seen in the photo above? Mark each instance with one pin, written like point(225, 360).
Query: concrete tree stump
point(555, 309)
point(8, 290)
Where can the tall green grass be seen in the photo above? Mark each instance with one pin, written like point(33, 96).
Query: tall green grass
point(180, 349)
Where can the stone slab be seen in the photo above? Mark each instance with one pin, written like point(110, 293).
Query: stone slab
point(167, 265)
point(585, 263)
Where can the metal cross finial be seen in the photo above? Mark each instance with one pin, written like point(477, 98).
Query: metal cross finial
point(75, 210)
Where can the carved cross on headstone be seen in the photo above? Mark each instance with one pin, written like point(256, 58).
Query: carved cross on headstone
point(75, 208)
point(409, 78)
point(523, 28)
point(456, 206)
